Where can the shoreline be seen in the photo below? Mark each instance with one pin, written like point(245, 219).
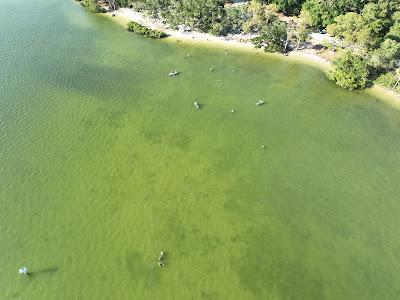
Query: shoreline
point(238, 42)
point(124, 15)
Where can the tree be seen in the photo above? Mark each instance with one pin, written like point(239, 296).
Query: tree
point(92, 5)
point(387, 55)
point(303, 33)
point(368, 28)
point(236, 17)
point(273, 37)
point(296, 33)
point(347, 26)
point(376, 24)
point(324, 12)
point(397, 76)
point(257, 17)
point(291, 33)
point(121, 3)
point(394, 30)
point(349, 71)
point(321, 13)
point(198, 14)
point(288, 7)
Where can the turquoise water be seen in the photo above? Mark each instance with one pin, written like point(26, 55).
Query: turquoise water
point(105, 162)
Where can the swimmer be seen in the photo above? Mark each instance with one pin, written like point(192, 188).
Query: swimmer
point(24, 270)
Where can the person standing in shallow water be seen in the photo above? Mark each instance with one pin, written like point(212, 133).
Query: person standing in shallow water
point(161, 258)
point(24, 270)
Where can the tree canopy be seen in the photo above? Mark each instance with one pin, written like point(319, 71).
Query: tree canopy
point(349, 71)
point(374, 33)
point(272, 37)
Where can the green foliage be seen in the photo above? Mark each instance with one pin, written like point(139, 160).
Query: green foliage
point(375, 32)
point(143, 30)
point(387, 55)
point(319, 13)
point(273, 37)
point(122, 3)
point(236, 16)
point(389, 80)
point(288, 7)
point(394, 32)
point(346, 25)
point(92, 6)
point(202, 15)
point(301, 33)
point(376, 24)
point(156, 7)
point(349, 71)
point(367, 27)
point(257, 17)
point(323, 13)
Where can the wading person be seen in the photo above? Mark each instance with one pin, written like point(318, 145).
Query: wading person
point(24, 271)
point(161, 258)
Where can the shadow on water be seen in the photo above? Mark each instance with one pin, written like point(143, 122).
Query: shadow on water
point(32, 275)
point(48, 270)
point(140, 270)
point(43, 271)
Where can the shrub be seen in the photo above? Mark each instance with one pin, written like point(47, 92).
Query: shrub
point(143, 30)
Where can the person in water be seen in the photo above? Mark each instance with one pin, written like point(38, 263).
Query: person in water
point(160, 259)
point(24, 270)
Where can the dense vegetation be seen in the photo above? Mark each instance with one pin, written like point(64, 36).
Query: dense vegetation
point(367, 31)
point(143, 30)
point(350, 71)
point(92, 5)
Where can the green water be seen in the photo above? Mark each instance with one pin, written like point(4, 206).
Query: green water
point(105, 162)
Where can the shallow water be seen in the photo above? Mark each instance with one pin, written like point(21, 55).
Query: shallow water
point(105, 162)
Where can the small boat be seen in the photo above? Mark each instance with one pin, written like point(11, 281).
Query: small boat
point(173, 73)
point(260, 102)
point(196, 105)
